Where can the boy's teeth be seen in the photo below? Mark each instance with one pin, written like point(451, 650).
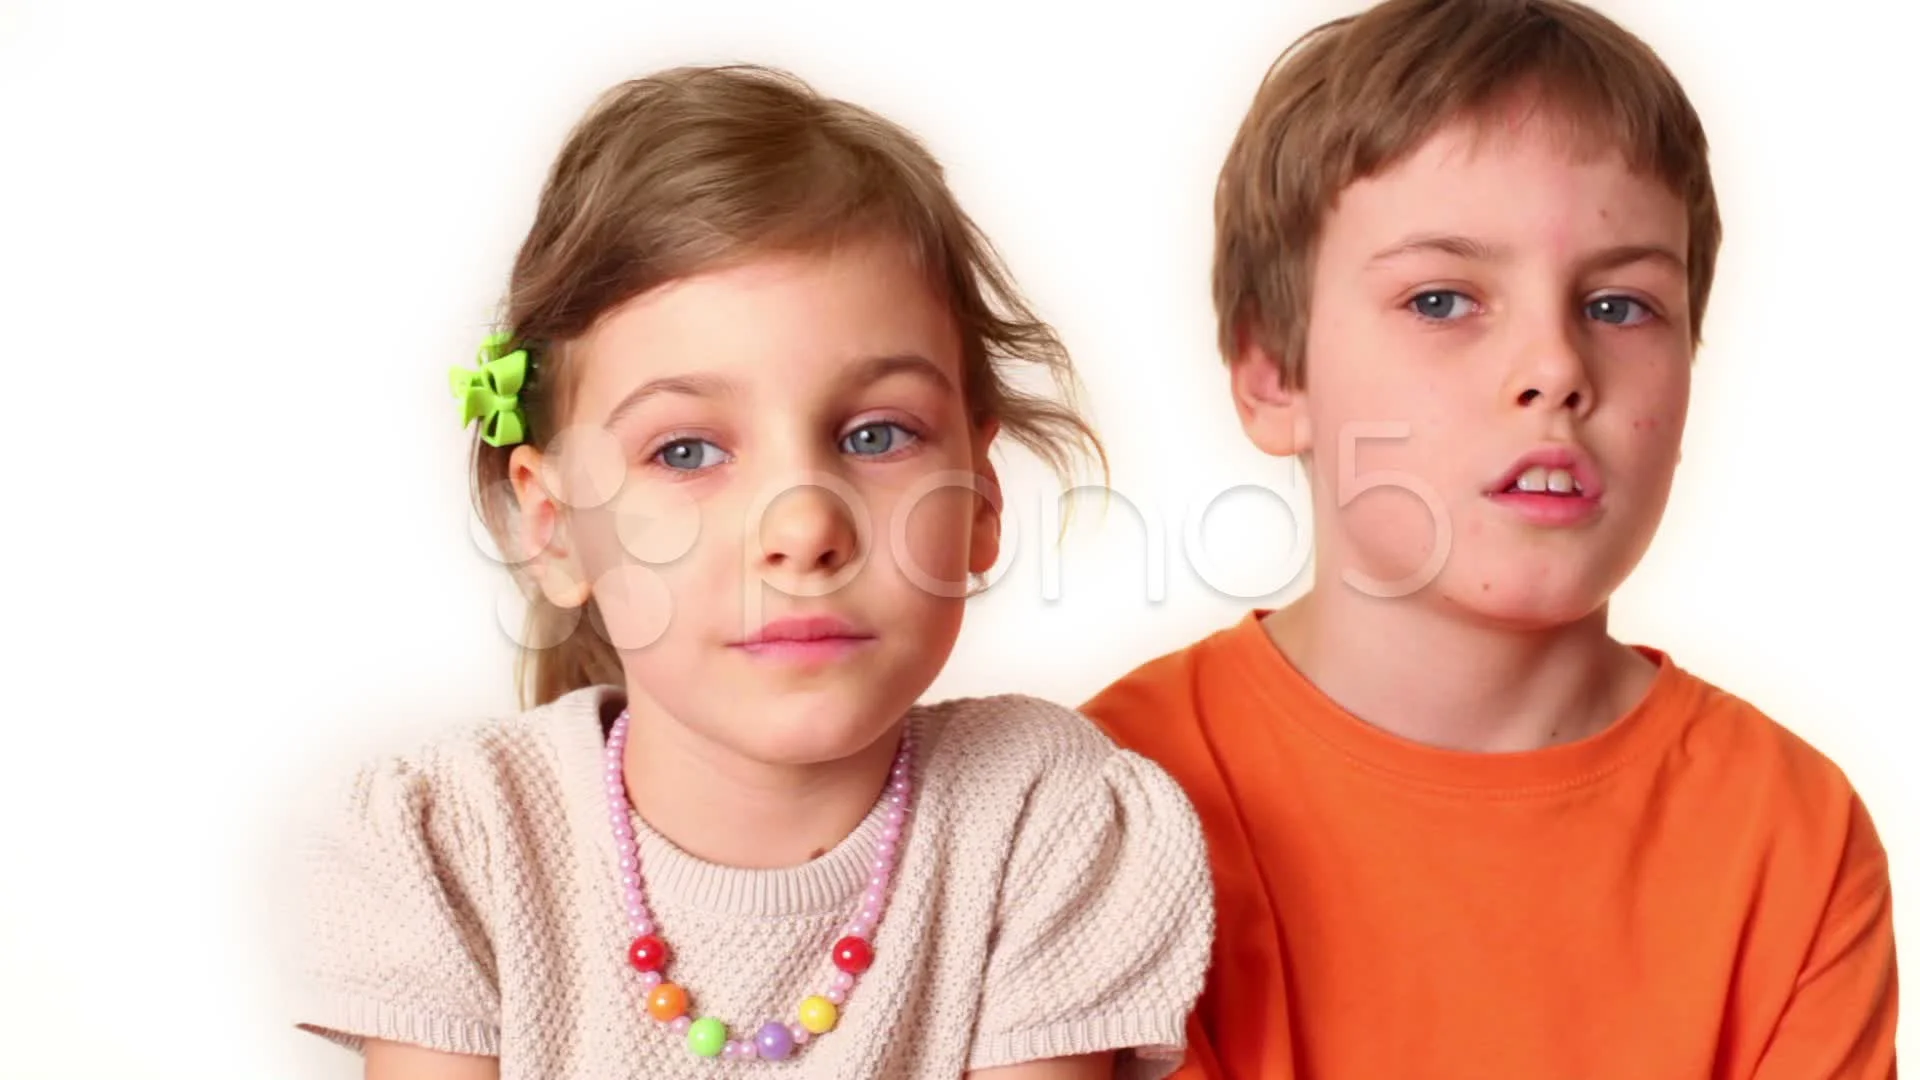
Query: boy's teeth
point(1540, 479)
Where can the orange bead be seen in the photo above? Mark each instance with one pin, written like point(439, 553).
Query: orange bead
point(667, 1003)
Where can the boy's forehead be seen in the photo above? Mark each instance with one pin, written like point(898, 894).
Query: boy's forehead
point(1518, 171)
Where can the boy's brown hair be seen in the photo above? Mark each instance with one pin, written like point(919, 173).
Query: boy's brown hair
point(692, 169)
point(1355, 95)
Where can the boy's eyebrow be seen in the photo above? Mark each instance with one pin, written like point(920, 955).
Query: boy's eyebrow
point(1466, 247)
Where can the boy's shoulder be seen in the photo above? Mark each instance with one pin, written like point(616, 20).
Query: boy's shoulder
point(1727, 743)
point(1156, 707)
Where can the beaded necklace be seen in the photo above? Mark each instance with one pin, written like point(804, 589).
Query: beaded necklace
point(668, 1003)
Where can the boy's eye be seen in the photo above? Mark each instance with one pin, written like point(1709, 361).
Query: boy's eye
point(690, 454)
point(1441, 304)
point(1618, 310)
point(875, 438)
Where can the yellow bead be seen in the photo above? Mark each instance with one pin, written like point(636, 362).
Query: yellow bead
point(818, 1015)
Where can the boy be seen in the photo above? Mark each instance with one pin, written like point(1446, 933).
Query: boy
point(1464, 249)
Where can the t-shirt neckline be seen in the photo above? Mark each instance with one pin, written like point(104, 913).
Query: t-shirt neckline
point(1291, 698)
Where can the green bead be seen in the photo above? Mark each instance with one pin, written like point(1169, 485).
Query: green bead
point(707, 1037)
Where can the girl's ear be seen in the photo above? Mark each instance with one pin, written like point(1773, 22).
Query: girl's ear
point(984, 549)
point(545, 548)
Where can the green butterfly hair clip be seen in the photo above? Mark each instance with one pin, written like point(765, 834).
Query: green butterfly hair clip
point(490, 393)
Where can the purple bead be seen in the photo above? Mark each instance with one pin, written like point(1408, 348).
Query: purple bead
point(774, 1041)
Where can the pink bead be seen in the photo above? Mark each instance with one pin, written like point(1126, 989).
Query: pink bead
point(649, 979)
point(643, 927)
point(843, 981)
point(891, 834)
point(873, 897)
point(861, 927)
point(680, 1024)
point(630, 880)
point(748, 1051)
point(800, 1034)
point(896, 817)
point(877, 882)
point(837, 996)
point(731, 1051)
point(886, 849)
point(629, 863)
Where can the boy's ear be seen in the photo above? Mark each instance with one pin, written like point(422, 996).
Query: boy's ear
point(1273, 415)
point(543, 544)
point(984, 549)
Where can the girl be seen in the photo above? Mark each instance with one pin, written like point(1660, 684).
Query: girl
point(736, 436)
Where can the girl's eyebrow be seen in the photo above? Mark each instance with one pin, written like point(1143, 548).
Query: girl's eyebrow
point(860, 373)
point(875, 368)
point(700, 386)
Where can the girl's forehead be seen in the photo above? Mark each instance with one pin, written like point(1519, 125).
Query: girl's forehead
point(782, 323)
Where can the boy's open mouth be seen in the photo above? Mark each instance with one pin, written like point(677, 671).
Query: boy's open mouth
point(1539, 480)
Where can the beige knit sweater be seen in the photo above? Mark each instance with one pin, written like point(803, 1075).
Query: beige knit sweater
point(1052, 898)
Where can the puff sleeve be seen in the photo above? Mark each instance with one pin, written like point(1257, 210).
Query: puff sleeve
point(1105, 926)
point(391, 935)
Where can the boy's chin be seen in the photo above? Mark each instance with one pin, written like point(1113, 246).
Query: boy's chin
point(1534, 605)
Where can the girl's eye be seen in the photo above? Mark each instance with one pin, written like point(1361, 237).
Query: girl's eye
point(875, 438)
point(1618, 310)
point(1444, 304)
point(689, 455)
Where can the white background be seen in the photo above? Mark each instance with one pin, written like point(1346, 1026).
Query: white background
point(239, 249)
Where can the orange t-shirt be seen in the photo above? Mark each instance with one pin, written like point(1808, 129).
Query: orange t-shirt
point(1692, 894)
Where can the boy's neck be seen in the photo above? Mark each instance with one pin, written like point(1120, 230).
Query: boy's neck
point(717, 806)
point(1436, 679)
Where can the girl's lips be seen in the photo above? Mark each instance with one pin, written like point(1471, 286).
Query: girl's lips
point(813, 639)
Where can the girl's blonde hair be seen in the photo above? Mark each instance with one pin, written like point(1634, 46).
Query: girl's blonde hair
point(696, 168)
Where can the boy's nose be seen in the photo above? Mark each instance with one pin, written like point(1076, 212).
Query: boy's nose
point(1534, 396)
point(1552, 375)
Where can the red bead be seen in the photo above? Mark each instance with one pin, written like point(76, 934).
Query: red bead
point(852, 955)
point(648, 953)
